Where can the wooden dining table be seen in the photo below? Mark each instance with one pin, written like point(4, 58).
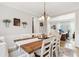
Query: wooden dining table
point(31, 47)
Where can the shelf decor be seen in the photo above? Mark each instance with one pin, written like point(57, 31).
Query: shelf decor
point(7, 22)
point(24, 24)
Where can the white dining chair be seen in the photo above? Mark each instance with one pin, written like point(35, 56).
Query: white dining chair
point(45, 49)
point(58, 45)
point(54, 51)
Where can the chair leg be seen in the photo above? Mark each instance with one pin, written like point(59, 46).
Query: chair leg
point(56, 52)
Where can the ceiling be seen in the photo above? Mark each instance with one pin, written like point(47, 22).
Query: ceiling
point(52, 8)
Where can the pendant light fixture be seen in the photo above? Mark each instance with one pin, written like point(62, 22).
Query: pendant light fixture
point(44, 19)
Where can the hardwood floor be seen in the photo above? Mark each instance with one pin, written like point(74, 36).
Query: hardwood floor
point(77, 52)
point(68, 49)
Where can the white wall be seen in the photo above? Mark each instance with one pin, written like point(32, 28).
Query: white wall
point(10, 13)
point(36, 25)
point(77, 29)
point(66, 18)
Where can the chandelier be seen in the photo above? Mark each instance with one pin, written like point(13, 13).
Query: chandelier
point(44, 19)
point(45, 16)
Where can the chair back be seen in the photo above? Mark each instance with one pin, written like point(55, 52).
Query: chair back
point(54, 47)
point(46, 47)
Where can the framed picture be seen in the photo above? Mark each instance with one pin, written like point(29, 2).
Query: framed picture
point(16, 22)
point(41, 23)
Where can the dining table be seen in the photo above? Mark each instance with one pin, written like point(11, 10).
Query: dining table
point(31, 47)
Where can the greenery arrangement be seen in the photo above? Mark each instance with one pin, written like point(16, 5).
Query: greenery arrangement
point(6, 21)
point(24, 24)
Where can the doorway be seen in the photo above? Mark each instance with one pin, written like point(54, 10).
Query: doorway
point(65, 26)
